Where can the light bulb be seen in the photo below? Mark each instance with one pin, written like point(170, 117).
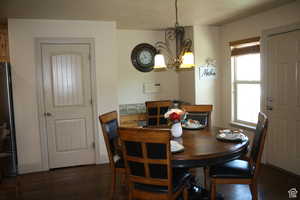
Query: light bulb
point(159, 61)
point(187, 60)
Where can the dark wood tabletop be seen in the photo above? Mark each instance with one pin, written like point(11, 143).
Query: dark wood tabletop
point(201, 148)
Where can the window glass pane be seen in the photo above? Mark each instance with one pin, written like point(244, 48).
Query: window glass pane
point(248, 102)
point(248, 67)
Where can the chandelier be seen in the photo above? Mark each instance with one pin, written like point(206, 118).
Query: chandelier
point(183, 56)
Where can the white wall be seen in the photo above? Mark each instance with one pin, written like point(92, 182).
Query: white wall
point(246, 28)
point(130, 80)
point(22, 34)
point(187, 86)
point(206, 45)
point(186, 77)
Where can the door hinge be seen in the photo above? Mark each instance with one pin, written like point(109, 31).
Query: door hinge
point(91, 101)
point(93, 145)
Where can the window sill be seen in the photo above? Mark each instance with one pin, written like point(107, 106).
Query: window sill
point(244, 126)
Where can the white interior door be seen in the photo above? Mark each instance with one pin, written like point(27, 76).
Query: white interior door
point(283, 91)
point(68, 104)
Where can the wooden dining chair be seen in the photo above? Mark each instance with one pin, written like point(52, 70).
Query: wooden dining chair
point(156, 111)
point(202, 113)
point(242, 171)
point(148, 158)
point(110, 125)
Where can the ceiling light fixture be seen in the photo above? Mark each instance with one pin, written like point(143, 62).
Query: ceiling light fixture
point(183, 58)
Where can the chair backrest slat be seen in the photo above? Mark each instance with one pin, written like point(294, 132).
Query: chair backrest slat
point(259, 142)
point(156, 111)
point(147, 166)
point(154, 161)
point(110, 125)
point(150, 181)
point(202, 113)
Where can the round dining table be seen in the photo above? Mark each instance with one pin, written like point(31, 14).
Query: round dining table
point(201, 148)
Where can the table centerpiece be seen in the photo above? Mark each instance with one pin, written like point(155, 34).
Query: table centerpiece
point(175, 116)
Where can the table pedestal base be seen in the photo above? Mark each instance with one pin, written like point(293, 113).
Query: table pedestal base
point(197, 192)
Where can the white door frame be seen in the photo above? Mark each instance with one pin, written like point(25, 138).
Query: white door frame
point(264, 64)
point(40, 94)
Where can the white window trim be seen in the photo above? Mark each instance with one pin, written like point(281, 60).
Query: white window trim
point(235, 82)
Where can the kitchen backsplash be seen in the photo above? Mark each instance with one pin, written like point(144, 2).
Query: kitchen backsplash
point(136, 108)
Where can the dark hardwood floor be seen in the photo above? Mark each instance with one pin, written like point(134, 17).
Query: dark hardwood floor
point(93, 183)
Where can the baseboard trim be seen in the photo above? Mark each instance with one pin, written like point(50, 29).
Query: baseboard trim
point(30, 171)
point(103, 162)
point(283, 170)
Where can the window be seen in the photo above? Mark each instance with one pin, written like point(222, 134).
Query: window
point(246, 83)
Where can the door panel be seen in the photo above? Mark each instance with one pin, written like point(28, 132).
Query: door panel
point(67, 80)
point(70, 135)
point(296, 148)
point(67, 91)
point(298, 81)
point(283, 86)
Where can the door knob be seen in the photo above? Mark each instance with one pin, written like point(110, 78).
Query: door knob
point(47, 114)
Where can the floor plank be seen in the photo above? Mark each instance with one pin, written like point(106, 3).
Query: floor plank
point(93, 183)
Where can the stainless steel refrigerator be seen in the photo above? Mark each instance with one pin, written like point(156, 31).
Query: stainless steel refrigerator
point(7, 119)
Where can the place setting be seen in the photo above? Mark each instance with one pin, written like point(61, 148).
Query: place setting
point(231, 135)
point(192, 124)
point(176, 146)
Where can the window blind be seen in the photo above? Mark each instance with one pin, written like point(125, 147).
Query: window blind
point(246, 46)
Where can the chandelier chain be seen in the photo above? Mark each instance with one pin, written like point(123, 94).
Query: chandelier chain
point(176, 12)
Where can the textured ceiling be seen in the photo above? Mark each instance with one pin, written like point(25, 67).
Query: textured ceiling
point(139, 14)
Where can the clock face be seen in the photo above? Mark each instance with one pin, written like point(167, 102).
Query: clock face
point(145, 57)
point(142, 57)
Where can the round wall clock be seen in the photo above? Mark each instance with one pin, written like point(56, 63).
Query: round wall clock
point(142, 57)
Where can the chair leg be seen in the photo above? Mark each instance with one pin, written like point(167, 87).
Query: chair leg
point(212, 191)
point(253, 188)
point(18, 188)
point(130, 195)
point(185, 194)
point(205, 172)
point(123, 180)
point(113, 184)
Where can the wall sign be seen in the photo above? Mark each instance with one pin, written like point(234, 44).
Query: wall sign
point(207, 73)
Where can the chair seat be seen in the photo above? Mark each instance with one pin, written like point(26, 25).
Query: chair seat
point(180, 177)
point(232, 169)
